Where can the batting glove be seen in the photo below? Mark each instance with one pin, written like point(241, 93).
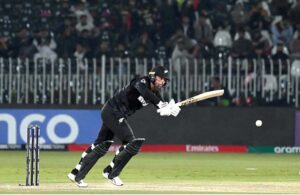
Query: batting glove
point(165, 111)
point(162, 104)
point(171, 109)
point(174, 108)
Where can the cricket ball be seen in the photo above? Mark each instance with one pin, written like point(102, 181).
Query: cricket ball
point(258, 123)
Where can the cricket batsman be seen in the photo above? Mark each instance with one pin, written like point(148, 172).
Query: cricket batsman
point(134, 96)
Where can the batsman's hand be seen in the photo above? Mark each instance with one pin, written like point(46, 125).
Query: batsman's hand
point(170, 109)
point(175, 109)
point(164, 111)
point(162, 104)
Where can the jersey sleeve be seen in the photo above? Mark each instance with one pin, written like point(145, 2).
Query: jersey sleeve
point(141, 86)
point(159, 96)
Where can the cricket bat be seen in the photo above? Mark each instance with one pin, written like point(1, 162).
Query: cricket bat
point(200, 97)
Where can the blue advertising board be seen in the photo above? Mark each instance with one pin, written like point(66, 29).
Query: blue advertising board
point(58, 126)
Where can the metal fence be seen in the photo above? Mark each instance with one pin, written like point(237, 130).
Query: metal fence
point(93, 81)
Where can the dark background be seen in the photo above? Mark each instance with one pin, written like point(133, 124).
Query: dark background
point(215, 125)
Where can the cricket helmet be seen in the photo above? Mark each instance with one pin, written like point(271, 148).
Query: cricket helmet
point(159, 71)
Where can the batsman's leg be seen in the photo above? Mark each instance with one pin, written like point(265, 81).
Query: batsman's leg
point(88, 161)
point(131, 149)
point(91, 158)
point(109, 167)
point(104, 134)
point(75, 171)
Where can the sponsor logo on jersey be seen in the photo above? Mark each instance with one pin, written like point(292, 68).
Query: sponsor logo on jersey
point(142, 100)
point(143, 81)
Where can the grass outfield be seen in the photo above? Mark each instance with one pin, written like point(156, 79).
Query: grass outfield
point(161, 173)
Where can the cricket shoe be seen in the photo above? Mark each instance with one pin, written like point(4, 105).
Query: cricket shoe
point(80, 183)
point(105, 175)
point(116, 180)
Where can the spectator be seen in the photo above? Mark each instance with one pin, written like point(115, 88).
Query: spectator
point(148, 17)
point(242, 47)
point(44, 36)
point(219, 14)
point(261, 43)
point(124, 20)
point(189, 44)
point(143, 45)
point(238, 15)
point(280, 51)
point(206, 5)
point(222, 42)
point(171, 42)
point(295, 45)
point(160, 52)
point(124, 24)
point(84, 24)
point(169, 13)
point(239, 101)
point(121, 50)
point(281, 31)
point(279, 7)
point(104, 49)
point(246, 34)
point(64, 10)
point(294, 13)
point(80, 9)
point(204, 36)
point(140, 52)
point(45, 45)
point(222, 38)
point(22, 45)
point(186, 27)
point(4, 46)
point(188, 12)
point(86, 37)
point(259, 16)
point(179, 54)
point(203, 31)
point(133, 19)
point(44, 52)
point(62, 25)
point(224, 100)
point(66, 42)
point(80, 54)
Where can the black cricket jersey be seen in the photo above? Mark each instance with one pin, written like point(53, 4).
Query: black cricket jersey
point(134, 96)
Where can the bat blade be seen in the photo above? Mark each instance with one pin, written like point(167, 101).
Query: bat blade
point(202, 96)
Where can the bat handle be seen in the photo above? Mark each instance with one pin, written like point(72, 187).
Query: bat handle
point(179, 104)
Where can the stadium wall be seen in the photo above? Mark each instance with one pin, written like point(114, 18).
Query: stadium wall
point(221, 126)
point(195, 125)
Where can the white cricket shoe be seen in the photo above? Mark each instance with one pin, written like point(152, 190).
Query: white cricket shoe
point(105, 175)
point(116, 180)
point(80, 184)
point(71, 177)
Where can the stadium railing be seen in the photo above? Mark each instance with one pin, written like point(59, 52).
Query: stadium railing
point(93, 81)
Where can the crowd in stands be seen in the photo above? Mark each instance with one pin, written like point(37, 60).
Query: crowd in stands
point(150, 28)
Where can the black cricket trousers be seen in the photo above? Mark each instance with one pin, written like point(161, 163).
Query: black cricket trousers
point(111, 127)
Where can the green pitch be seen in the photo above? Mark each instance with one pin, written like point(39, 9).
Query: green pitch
point(160, 173)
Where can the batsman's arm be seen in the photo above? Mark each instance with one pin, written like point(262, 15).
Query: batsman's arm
point(146, 93)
